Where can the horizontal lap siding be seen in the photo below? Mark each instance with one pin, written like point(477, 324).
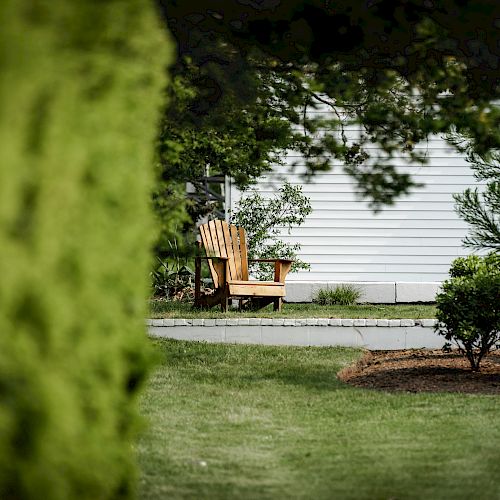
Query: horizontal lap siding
point(414, 240)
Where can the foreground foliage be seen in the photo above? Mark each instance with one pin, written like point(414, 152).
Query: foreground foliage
point(79, 93)
point(396, 73)
point(274, 423)
point(468, 308)
point(255, 81)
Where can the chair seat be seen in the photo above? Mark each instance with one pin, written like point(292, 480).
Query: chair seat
point(256, 288)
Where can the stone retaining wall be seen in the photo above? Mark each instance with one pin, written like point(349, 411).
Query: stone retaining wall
point(376, 334)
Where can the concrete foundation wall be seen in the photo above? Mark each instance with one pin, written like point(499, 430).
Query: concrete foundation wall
point(372, 292)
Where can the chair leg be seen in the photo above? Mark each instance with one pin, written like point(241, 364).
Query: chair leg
point(277, 304)
point(224, 304)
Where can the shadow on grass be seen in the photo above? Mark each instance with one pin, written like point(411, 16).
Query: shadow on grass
point(328, 368)
point(244, 365)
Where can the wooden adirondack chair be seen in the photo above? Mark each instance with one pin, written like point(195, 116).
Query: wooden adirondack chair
point(226, 253)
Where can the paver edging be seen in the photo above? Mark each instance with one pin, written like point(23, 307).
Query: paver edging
point(293, 322)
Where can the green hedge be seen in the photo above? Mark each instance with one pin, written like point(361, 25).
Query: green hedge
point(80, 92)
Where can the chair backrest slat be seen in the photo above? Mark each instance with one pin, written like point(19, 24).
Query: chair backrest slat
point(236, 251)
point(206, 238)
point(220, 237)
point(215, 240)
point(244, 255)
point(230, 251)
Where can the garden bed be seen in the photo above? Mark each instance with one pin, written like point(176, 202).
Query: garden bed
point(423, 371)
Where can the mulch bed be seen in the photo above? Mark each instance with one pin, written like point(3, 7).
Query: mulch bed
point(423, 371)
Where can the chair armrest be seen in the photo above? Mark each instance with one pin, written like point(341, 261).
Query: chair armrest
point(199, 257)
point(281, 267)
point(220, 265)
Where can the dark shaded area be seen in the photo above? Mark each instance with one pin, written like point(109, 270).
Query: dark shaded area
point(360, 34)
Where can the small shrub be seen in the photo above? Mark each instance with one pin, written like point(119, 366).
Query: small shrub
point(468, 308)
point(173, 283)
point(342, 295)
point(468, 266)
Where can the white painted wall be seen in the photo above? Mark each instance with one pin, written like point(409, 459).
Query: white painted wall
point(413, 241)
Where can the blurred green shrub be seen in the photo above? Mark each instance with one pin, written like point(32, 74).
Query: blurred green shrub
point(468, 307)
point(80, 91)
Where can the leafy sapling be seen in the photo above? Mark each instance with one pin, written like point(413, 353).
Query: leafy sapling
point(265, 220)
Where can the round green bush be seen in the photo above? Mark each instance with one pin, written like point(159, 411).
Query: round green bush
point(470, 265)
point(80, 92)
point(468, 307)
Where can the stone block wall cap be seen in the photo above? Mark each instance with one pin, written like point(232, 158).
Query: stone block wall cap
point(394, 322)
point(292, 322)
point(428, 322)
point(407, 322)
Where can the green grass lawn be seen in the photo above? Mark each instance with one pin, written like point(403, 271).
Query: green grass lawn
point(256, 422)
point(166, 309)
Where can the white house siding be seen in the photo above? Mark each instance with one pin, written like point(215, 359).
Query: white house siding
point(399, 254)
